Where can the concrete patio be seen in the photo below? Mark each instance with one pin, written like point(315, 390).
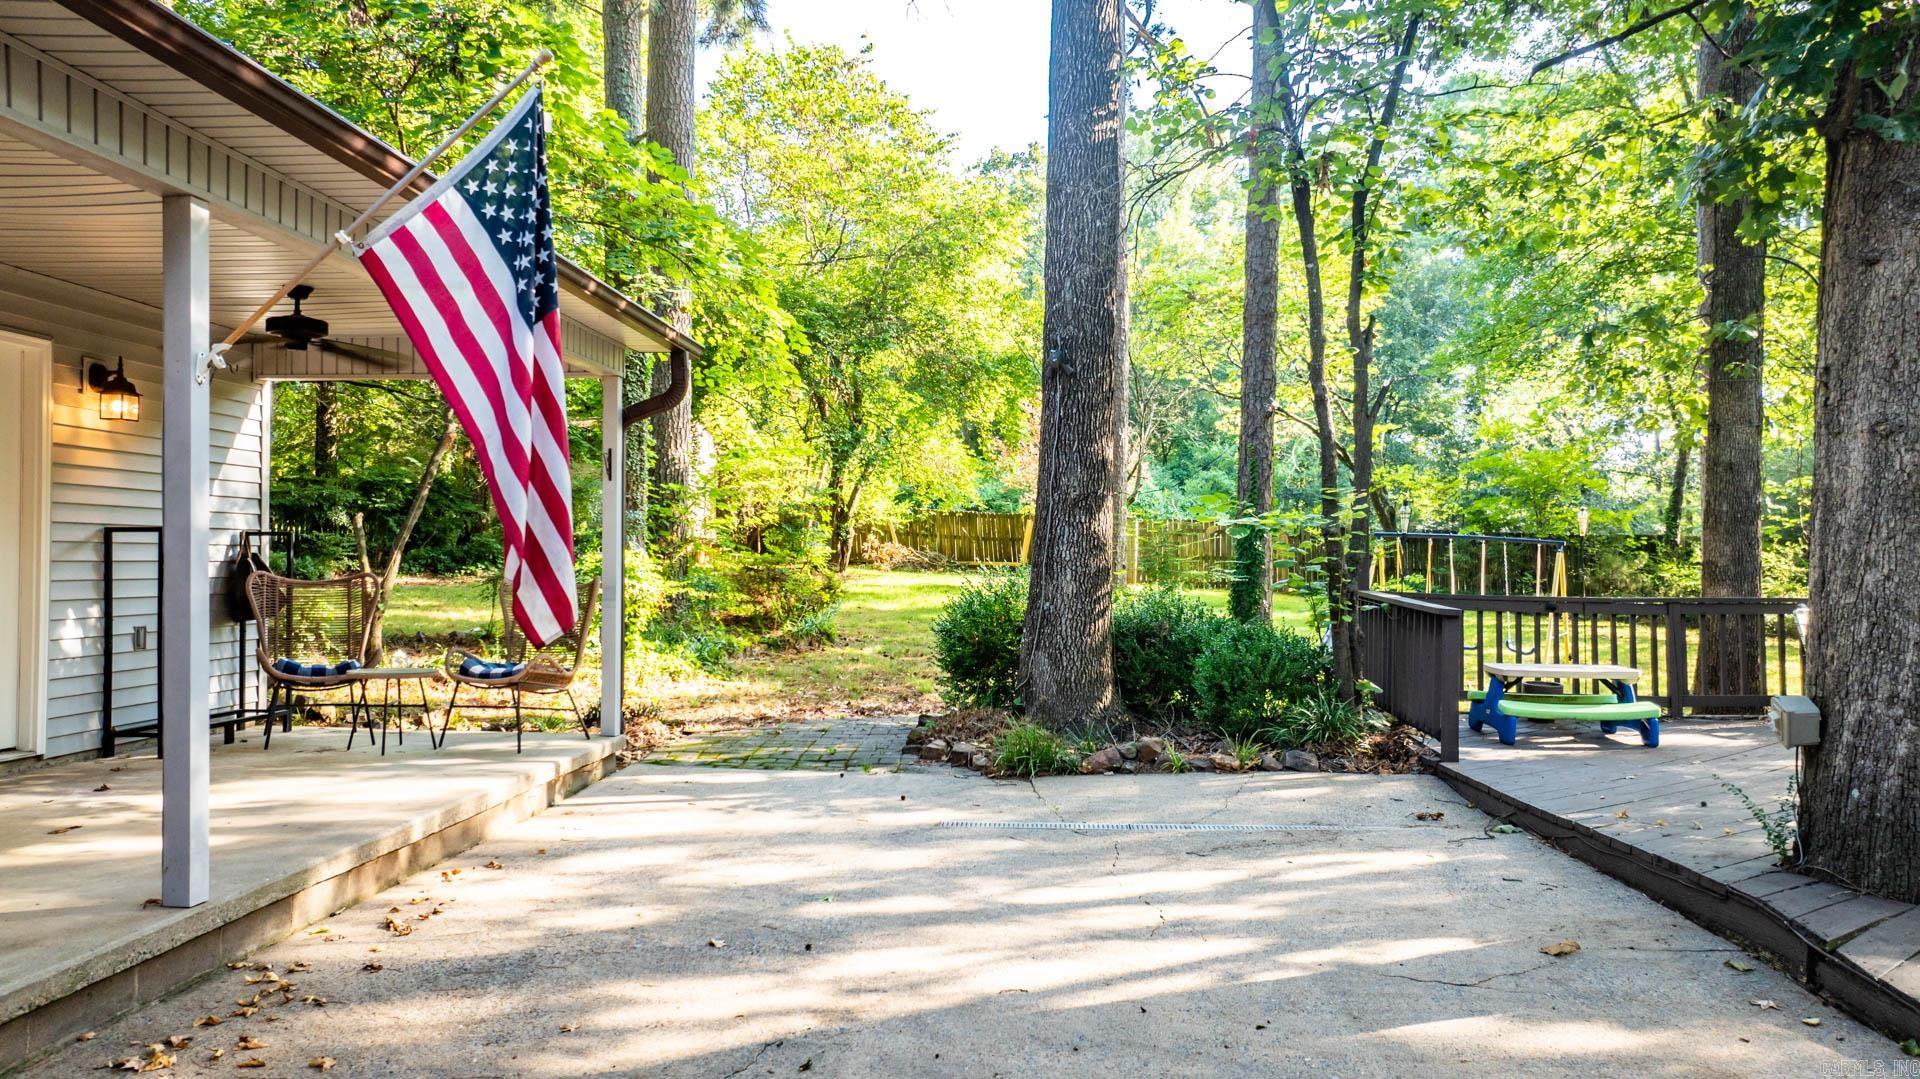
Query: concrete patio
point(705, 921)
point(298, 832)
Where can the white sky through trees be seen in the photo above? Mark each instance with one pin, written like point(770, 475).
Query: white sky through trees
point(980, 66)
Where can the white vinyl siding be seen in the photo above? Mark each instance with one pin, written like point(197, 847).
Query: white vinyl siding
point(108, 473)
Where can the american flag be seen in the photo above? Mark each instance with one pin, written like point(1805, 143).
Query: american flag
point(468, 267)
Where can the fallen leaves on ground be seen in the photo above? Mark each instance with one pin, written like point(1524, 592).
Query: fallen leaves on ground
point(716, 943)
point(1565, 947)
point(494, 863)
point(63, 829)
point(322, 1063)
point(251, 1062)
point(248, 1041)
point(1430, 814)
point(208, 1021)
point(300, 967)
point(569, 1028)
point(1765, 1005)
point(397, 927)
point(101, 787)
point(1505, 829)
point(87, 1037)
point(372, 968)
point(1738, 967)
point(179, 1041)
point(1811, 1021)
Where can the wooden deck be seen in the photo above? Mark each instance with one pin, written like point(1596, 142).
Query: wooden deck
point(1664, 821)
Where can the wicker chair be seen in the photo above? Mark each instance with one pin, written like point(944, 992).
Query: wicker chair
point(548, 670)
point(312, 622)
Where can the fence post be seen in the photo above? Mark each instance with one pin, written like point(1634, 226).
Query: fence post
point(1676, 661)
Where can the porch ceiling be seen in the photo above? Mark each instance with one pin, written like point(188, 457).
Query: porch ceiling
point(62, 220)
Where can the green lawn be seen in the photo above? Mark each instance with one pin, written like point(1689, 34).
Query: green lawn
point(1289, 612)
point(438, 607)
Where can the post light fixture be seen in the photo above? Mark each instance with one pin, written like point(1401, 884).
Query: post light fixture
point(1583, 517)
point(118, 399)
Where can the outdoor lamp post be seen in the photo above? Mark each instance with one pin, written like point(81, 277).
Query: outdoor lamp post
point(118, 399)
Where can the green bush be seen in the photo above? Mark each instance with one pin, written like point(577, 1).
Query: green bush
point(1157, 637)
point(1249, 673)
point(776, 590)
point(1324, 722)
point(1026, 750)
point(976, 642)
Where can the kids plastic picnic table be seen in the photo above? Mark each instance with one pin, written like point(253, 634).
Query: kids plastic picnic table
point(1503, 705)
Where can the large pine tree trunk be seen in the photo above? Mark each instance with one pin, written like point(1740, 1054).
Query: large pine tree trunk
point(623, 27)
point(1066, 652)
point(671, 39)
point(1735, 275)
point(1252, 594)
point(1860, 802)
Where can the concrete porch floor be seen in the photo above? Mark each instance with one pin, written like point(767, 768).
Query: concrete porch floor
point(299, 831)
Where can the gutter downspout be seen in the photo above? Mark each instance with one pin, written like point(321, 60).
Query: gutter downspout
point(677, 386)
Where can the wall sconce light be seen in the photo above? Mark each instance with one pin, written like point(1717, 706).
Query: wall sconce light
point(118, 399)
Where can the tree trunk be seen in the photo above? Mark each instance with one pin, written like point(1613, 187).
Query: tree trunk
point(1066, 652)
point(1675, 515)
point(326, 431)
point(1735, 275)
point(390, 573)
point(623, 34)
point(1360, 342)
point(1251, 598)
point(1860, 798)
point(672, 32)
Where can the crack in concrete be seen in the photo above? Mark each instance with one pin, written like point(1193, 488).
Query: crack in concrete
point(1480, 984)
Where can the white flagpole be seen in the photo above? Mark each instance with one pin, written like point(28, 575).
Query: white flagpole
point(344, 237)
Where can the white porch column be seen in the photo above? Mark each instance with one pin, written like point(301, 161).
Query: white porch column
point(184, 543)
point(613, 551)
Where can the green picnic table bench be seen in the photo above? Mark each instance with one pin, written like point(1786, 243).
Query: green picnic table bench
point(1502, 707)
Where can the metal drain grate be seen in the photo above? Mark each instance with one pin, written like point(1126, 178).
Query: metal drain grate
point(1091, 826)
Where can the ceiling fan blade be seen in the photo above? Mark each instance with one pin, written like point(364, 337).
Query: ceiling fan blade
point(379, 357)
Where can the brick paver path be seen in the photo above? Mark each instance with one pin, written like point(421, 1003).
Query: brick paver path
point(831, 745)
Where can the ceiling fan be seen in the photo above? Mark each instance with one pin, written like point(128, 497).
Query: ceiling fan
point(299, 331)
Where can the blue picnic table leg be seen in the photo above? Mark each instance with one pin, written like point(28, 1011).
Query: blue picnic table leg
point(1506, 726)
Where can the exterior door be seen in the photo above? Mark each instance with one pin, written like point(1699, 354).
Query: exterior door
point(25, 436)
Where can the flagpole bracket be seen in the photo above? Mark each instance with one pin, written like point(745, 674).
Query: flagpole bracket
point(210, 359)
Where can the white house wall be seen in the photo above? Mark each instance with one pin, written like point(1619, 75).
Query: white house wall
point(108, 473)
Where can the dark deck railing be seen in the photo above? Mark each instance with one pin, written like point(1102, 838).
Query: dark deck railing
point(1715, 656)
point(1703, 655)
point(1414, 653)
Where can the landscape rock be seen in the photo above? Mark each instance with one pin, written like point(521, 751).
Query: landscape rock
point(1105, 760)
point(1149, 750)
point(1130, 750)
point(1271, 763)
point(1299, 760)
point(1200, 764)
point(934, 750)
point(1129, 767)
point(962, 752)
point(1336, 764)
point(1224, 762)
point(981, 762)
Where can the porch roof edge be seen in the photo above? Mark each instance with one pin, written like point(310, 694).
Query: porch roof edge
point(178, 43)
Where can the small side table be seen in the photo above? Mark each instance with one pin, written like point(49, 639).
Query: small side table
point(391, 704)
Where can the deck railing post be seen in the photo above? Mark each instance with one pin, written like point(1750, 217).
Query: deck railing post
point(1677, 653)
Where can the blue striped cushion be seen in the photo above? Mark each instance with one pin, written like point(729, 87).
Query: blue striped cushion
point(472, 666)
point(315, 670)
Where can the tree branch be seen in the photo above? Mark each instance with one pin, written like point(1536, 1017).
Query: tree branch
point(1647, 23)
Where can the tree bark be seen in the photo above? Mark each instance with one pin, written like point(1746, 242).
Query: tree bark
point(1734, 273)
point(1251, 597)
point(623, 25)
point(672, 32)
point(1860, 799)
point(1066, 653)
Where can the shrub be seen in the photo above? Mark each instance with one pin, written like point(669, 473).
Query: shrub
point(1249, 673)
point(1026, 750)
point(813, 628)
point(976, 642)
point(1324, 722)
point(776, 590)
point(1157, 637)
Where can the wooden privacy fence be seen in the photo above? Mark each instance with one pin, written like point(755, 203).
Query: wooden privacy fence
point(1716, 656)
point(1156, 551)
